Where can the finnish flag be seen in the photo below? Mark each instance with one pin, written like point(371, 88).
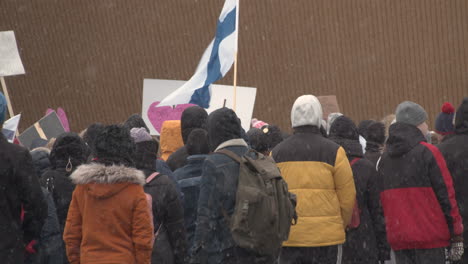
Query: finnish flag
point(215, 62)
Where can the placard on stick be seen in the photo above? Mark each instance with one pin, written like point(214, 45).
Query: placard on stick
point(10, 61)
point(329, 105)
point(46, 128)
point(154, 90)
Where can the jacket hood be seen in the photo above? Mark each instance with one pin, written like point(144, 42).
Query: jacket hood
point(68, 147)
point(145, 155)
point(171, 138)
point(461, 118)
point(306, 111)
point(192, 118)
point(222, 125)
point(135, 121)
point(402, 138)
point(40, 158)
point(344, 132)
point(106, 181)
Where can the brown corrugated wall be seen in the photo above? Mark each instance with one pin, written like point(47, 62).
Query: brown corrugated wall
point(91, 57)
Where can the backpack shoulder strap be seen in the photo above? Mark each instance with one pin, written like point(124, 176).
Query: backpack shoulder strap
point(230, 154)
point(151, 177)
point(354, 161)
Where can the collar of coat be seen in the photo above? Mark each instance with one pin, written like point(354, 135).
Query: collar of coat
point(237, 142)
point(99, 173)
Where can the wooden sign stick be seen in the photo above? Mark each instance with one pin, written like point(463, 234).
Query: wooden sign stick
point(7, 96)
point(235, 83)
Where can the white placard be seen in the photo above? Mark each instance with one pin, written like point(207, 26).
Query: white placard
point(155, 90)
point(10, 61)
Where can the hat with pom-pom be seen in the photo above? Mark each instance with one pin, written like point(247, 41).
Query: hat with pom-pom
point(444, 121)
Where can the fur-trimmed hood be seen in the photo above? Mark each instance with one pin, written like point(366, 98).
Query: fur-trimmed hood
point(105, 181)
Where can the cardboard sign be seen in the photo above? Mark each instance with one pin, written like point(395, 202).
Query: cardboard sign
point(329, 105)
point(47, 128)
point(10, 61)
point(154, 90)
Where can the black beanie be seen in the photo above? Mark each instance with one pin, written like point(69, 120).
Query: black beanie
point(114, 146)
point(197, 142)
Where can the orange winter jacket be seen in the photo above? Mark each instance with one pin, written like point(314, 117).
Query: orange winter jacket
point(108, 220)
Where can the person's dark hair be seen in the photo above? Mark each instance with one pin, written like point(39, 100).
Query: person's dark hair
point(114, 146)
point(275, 136)
point(363, 126)
point(90, 135)
point(376, 133)
point(197, 142)
point(258, 139)
point(69, 150)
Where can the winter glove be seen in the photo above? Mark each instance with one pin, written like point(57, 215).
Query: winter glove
point(456, 251)
point(32, 247)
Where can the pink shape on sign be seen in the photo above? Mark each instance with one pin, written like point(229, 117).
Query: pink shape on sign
point(158, 114)
point(62, 116)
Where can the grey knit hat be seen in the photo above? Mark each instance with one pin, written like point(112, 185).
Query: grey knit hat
point(140, 135)
point(410, 113)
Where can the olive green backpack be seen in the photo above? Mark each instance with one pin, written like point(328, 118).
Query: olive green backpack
point(264, 209)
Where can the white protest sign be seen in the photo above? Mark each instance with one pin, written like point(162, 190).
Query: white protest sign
point(10, 61)
point(154, 90)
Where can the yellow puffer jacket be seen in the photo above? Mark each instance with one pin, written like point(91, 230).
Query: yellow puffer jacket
point(318, 172)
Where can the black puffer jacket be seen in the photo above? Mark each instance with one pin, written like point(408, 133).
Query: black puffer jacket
point(69, 151)
point(167, 208)
point(366, 243)
point(19, 188)
point(192, 118)
point(455, 151)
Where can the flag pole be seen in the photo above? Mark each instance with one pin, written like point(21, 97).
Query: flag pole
point(235, 57)
point(235, 82)
point(7, 96)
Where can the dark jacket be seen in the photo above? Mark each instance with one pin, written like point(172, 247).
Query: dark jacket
point(178, 159)
point(51, 248)
point(368, 242)
point(455, 151)
point(167, 207)
point(188, 178)
point(213, 242)
point(19, 188)
point(192, 118)
point(69, 151)
point(417, 195)
point(218, 189)
point(373, 152)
